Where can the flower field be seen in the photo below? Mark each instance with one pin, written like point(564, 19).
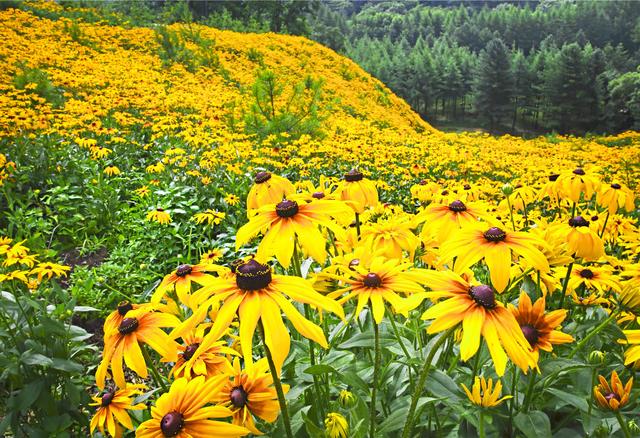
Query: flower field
point(208, 233)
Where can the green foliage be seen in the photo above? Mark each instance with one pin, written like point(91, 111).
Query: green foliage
point(37, 81)
point(276, 111)
point(172, 49)
point(42, 358)
point(493, 83)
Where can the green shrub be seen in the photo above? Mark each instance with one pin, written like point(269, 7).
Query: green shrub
point(42, 85)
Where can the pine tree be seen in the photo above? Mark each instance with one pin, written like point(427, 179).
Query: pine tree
point(493, 86)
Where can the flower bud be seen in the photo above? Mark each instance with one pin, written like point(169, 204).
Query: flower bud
point(346, 399)
point(596, 357)
point(507, 189)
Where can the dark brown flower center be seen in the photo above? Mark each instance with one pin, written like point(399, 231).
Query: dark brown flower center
point(287, 208)
point(530, 333)
point(353, 175)
point(353, 263)
point(239, 397)
point(483, 295)
point(318, 195)
point(612, 396)
point(553, 177)
point(171, 424)
point(124, 307)
point(495, 234)
point(578, 221)
point(616, 186)
point(586, 273)
point(253, 276)
point(466, 187)
point(107, 398)
point(579, 171)
point(372, 280)
point(423, 182)
point(128, 325)
point(183, 270)
point(234, 265)
point(160, 209)
point(190, 351)
point(261, 177)
point(445, 192)
point(457, 206)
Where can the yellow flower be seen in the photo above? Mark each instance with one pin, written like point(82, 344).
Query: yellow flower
point(142, 191)
point(390, 237)
point(615, 396)
point(336, 425)
point(257, 295)
point(111, 171)
point(182, 412)
point(484, 394)
point(592, 277)
point(231, 199)
point(159, 215)
point(358, 191)
point(250, 392)
point(49, 270)
point(578, 182)
point(211, 256)
point(481, 315)
point(181, 279)
point(615, 196)
point(268, 188)
point(495, 246)
point(443, 220)
point(209, 216)
point(112, 411)
point(538, 327)
point(582, 241)
point(210, 363)
point(122, 344)
point(288, 222)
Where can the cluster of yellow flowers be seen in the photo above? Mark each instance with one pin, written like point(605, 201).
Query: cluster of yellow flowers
point(20, 265)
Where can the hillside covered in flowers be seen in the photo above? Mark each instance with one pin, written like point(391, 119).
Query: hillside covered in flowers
point(209, 233)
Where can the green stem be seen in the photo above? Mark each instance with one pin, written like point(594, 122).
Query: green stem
point(374, 385)
point(312, 361)
point(529, 393)
point(604, 226)
point(476, 363)
point(592, 333)
point(481, 424)
point(402, 346)
point(156, 375)
point(623, 425)
point(408, 425)
point(513, 223)
point(565, 284)
point(276, 382)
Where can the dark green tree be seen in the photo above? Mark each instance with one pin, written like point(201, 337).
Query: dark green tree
point(493, 86)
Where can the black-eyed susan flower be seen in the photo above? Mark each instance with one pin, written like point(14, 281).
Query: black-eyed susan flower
point(111, 171)
point(632, 338)
point(615, 196)
point(336, 426)
point(250, 392)
point(113, 320)
point(159, 215)
point(268, 188)
point(141, 325)
point(578, 182)
point(495, 246)
point(211, 217)
point(212, 256)
point(183, 412)
point(484, 394)
point(538, 327)
point(592, 277)
point(111, 414)
point(444, 219)
point(481, 315)
point(231, 199)
point(142, 191)
point(374, 279)
point(180, 280)
point(49, 270)
point(257, 294)
point(289, 221)
point(214, 361)
point(390, 237)
point(615, 396)
point(358, 191)
point(582, 241)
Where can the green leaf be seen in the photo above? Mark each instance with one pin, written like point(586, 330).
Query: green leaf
point(31, 358)
point(534, 424)
point(29, 394)
point(320, 369)
point(66, 365)
point(366, 340)
point(573, 400)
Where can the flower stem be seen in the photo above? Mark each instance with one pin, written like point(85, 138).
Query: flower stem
point(565, 284)
point(592, 333)
point(374, 385)
point(481, 424)
point(276, 382)
point(604, 226)
point(513, 223)
point(408, 425)
point(623, 425)
point(402, 346)
point(156, 375)
point(529, 394)
point(358, 224)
